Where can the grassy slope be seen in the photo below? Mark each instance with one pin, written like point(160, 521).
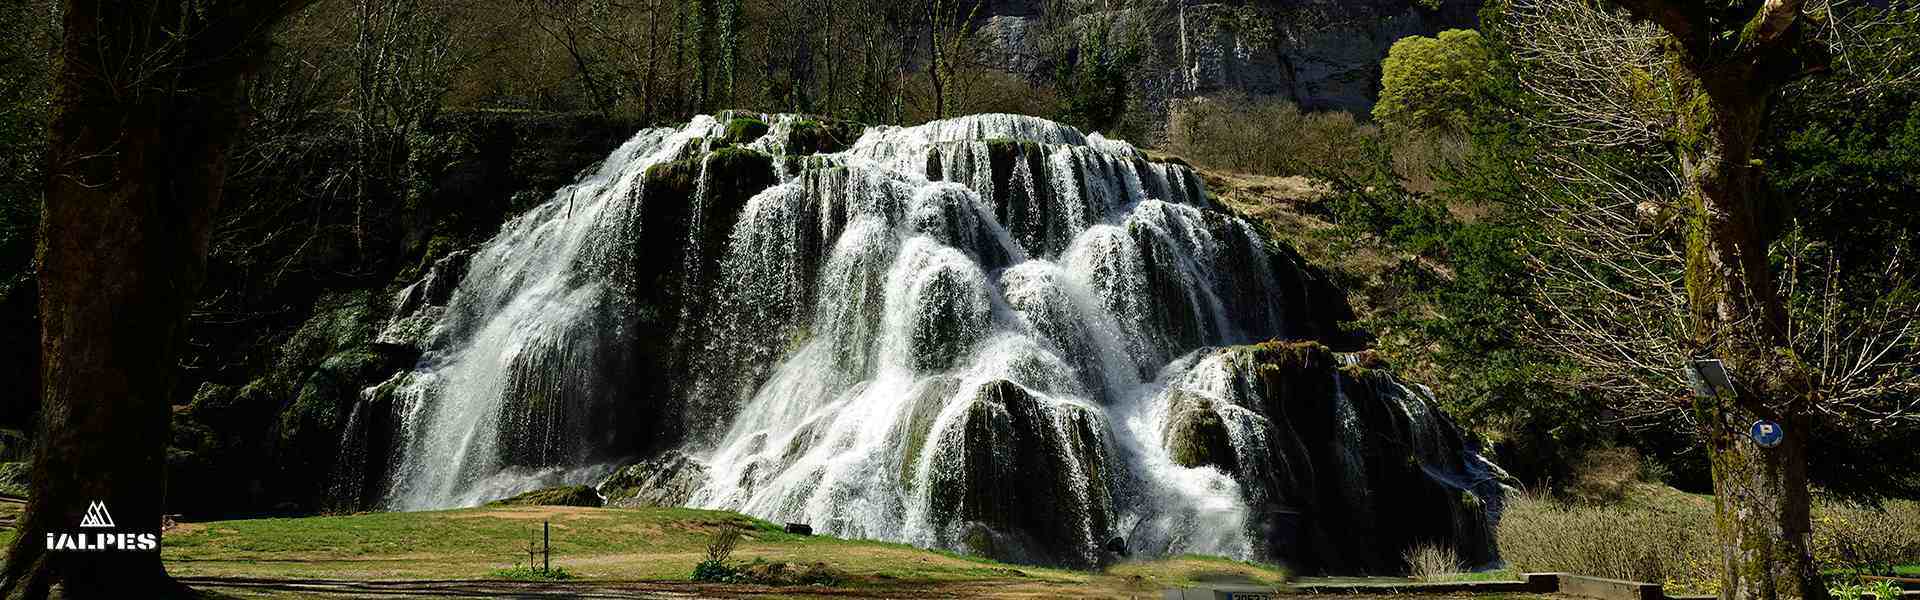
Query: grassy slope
point(619, 544)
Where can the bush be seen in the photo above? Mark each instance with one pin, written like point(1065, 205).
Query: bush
point(1667, 541)
point(720, 545)
point(713, 571)
point(519, 573)
point(1432, 562)
point(1662, 536)
point(1270, 136)
point(1859, 539)
point(1606, 475)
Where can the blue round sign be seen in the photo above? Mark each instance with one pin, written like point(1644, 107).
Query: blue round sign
point(1767, 433)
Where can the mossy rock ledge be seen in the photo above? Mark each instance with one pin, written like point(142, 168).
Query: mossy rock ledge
point(571, 495)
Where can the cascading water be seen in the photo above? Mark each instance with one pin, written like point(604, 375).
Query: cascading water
point(991, 333)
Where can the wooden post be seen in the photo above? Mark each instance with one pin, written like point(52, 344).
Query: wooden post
point(546, 546)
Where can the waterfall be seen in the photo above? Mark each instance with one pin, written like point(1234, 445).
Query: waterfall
point(991, 334)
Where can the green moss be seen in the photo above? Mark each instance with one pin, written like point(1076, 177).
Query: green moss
point(744, 130)
point(1289, 354)
point(919, 423)
point(979, 542)
point(1196, 437)
point(1012, 147)
point(572, 495)
point(15, 479)
point(822, 136)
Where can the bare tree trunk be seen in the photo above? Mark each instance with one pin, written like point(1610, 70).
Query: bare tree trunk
point(933, 58)
point(147, 102)
point(1761, 499)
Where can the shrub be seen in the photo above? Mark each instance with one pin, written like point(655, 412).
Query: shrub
point(1432, 562)
point(1866, 540)
point(1606, 476)
point(713, 571)
point(1270, 136)
point(1662, 536)
point(1666, 540)
point(720, 545)
point(519, 573)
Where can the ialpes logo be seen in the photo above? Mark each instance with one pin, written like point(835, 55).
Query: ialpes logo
point(97, 517)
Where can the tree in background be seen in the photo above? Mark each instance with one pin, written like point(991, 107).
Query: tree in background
point(25, 56)
point(403, 59)
point(1675, 252)
point(1099, 54)
point(1431, 83)
point(949, 39)
point(147, 100)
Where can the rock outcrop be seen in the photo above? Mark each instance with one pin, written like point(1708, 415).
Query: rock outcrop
point(1344, 465)
point(1320, 54)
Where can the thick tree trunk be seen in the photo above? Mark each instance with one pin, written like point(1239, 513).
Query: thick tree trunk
point(1760, 494)
point(146, 103)
point(1761, 509)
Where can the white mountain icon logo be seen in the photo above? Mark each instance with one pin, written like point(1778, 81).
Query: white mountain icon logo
point(97, 515)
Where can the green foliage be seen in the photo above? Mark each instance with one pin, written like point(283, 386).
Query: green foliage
point(1885, 590)
point(713, 571)
point(1432, 83)
point(15, 479)
point(25, 95)
point(816, 136)
point(1270, 136)
point(1095, 81)
point(1847, 591)
point(529, 573)
point(744, 130)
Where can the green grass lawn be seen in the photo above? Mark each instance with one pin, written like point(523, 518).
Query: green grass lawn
point(1907, 571)
point(643, 543)
point(609, 544)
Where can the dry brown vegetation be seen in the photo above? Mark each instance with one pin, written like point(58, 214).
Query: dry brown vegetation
point(1658, 534)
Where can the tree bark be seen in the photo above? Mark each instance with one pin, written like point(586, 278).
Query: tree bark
point(147, 100)
point(1761, 499)
point(934, 8)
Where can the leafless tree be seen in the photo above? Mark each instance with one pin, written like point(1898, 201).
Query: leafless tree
point(1666, 257)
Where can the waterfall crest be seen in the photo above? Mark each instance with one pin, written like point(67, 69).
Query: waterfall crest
point(991, 334)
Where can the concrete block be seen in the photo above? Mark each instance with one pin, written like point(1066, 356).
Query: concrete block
point(1609, 589)
point(1541, 583)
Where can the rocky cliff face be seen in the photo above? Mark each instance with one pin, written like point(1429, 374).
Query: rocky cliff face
point(1320, 54)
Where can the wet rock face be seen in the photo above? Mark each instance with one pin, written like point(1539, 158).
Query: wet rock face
point(665, 480)
point(1196, 436)
point(1321, 54)
point(991, 334)
point(1022, 477)
point(1351, 466)
point(569, 495)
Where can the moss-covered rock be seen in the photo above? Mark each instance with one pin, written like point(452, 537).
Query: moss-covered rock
point(744, 130)
point(1030, 471)
point(1197, 437)
point(572, 495)
point(682, 289)
point(669, 479)
point(917, 423)
point(822, 136)
point(1353, 466)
